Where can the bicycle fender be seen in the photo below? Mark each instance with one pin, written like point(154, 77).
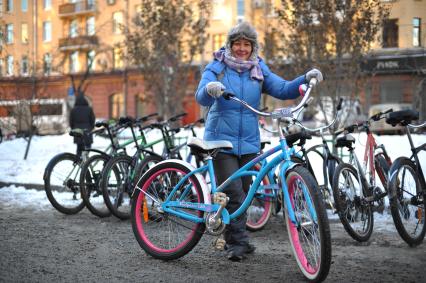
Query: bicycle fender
point(200, 178)
point(53, 160)
point(393, 170)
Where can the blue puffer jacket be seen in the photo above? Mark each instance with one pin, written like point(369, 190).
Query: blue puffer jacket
point(227, 119)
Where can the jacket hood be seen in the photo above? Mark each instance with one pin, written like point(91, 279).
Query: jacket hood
point(243, 31)
point(81, 100)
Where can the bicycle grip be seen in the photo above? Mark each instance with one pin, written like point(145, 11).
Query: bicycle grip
point(339, 105)
point(313, 82)
point(227, 95)
point(176, 117)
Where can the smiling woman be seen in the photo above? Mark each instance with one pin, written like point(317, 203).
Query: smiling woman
point(237, 68)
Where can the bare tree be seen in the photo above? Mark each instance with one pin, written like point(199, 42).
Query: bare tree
point(163, 42)
point(332, 36)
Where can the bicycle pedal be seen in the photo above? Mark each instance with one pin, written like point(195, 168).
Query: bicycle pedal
point(220, 198)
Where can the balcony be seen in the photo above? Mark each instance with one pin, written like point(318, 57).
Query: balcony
point(78, 8)
point(83, 42)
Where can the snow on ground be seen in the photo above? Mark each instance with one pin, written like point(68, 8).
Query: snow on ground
point(14, 169)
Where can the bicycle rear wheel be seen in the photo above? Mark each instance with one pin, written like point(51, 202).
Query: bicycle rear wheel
point(116, 184)
point(261, 206)
point(407, 202)
point(382, 168)
point(354, 212)
point(91, 190)
point(61, 183)
point(310, 235)
point(160, 234)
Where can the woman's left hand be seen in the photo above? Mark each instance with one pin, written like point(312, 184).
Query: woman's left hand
point(314, 73)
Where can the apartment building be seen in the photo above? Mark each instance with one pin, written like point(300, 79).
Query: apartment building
point(46, 40)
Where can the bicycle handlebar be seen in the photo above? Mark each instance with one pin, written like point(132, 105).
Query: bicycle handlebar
point(417, 126)
point(375, 117)
point(177, 117)
point(286, 112)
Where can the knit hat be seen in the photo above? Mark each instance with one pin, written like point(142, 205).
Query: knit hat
point(243, 31)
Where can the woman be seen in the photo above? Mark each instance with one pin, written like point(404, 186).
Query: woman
point(238, 69)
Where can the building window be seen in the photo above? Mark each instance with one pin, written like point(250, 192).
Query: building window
point(24, 33)
point(218, 41)
point(90, 26)
point(74, 67)
point(47, 31)
point(391, 91)
point(1, 65)
point(141, 105)
point(24, 5)
point(91, 60)
point(117, 22)
point(218, 9)
point(416, 32)
point(47, 64)
point(9, 5)
point(9, 33)
point(390, 33)
point(24, 66)
point(47, 4)
point(240, 10)
point(118, 58)
point(9, 65)
point(90, 4)
point(74, 28)
point(116, 105)
point(1, 8)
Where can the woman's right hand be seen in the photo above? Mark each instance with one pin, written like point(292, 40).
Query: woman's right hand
point(215, 89)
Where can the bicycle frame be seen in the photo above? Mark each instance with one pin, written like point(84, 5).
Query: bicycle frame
point(283, 159)
point(415, 150)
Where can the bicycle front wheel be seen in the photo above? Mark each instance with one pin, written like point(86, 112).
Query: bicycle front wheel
point(91, 191)
point(323, 171)
point(407, 202)
point(115, 183)
point(163, 235)
point(354, 212)
point(310, 235)
point(61, 183)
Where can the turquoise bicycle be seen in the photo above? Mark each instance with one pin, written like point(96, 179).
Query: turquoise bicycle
point(173, 206)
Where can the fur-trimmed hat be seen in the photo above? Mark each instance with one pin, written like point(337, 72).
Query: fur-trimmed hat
point(246, 31)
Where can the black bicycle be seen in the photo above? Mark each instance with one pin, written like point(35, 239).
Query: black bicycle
point(62, 177)
point(407, 185)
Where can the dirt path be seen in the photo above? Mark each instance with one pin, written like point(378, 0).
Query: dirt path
point(46, 246)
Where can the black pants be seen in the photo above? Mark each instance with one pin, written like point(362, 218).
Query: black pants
point(225, 165)
point(81, 146)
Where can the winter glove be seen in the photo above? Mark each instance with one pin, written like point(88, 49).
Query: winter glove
point(314, 73)
point(215, 89)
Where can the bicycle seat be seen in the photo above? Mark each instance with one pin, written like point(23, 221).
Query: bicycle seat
point(345, 141)
point(302, 136)
point(77, 132)
point(203, 146)
point(403, 117)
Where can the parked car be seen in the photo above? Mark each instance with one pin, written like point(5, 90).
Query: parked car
point(47, 116)
point(381, 127)
point(315, 116)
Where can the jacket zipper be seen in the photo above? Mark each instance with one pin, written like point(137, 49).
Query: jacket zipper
point(241, 114)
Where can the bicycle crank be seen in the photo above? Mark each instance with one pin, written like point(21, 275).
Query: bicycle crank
point(214, 223)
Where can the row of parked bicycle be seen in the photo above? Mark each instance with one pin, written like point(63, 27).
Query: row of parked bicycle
point(172, 202)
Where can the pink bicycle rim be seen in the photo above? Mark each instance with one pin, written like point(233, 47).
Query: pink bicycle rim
point(294, 235)
point(139, 225)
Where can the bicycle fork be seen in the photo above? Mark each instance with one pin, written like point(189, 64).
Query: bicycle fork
point(288, 202)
